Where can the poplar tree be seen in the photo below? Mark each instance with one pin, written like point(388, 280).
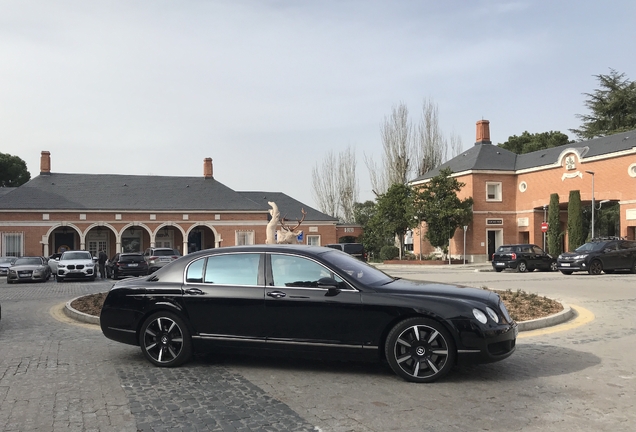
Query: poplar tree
point(575, 221)
point(554, 233)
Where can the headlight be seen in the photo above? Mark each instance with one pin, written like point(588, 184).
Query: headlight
point(480, 316)
point(579, 257)
point(61, 265)
point(560, 257)
point(493, 315)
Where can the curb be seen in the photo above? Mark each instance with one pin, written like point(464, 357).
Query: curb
point(79, 316)
point(558, 318)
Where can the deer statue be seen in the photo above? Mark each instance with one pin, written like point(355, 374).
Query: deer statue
point(287, 235)
point(271, 225)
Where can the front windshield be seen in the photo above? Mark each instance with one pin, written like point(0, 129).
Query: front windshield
point(590, 247)
point(357, 269)
point(76, 256)
point(6, 260)
point(28, 261)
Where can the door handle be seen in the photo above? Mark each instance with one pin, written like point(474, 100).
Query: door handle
point(276, 294)
point(193, 291)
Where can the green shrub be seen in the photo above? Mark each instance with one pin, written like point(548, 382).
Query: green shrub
point(389, 252)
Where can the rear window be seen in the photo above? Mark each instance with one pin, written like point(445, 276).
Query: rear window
point(131, 258)
point(163, 252)
point(506, 249)
point(335, 246)
point(354, 248)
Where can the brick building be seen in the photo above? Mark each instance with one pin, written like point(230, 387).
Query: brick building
point(511, 192)
point(57, 211)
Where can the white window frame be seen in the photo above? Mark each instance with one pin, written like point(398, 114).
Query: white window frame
point(16, 240)
point(313, 240)
point(498, 192)
point(243, 238)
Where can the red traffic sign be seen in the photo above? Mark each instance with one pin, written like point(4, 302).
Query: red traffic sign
point(544, 227)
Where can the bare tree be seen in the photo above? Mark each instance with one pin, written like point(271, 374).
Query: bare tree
point(456, 145)
point(325, 185)
point(335, 186)
point(347, 184)
point(430, 149)
point(397, 141)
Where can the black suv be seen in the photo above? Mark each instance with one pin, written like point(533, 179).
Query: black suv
point(600, 255)
point(354, 249)
point(522, 257)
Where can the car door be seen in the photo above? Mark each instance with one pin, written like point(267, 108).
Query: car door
point(541, 259)
point(223, 297)
point(611, 257)
point(304, 312)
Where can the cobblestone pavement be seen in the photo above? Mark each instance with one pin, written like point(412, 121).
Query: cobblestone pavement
point(60, 376)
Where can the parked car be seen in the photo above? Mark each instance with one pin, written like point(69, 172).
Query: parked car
point(354, 249)
point(127, 264)
point(307, 298)
point(29, 269)
point(76, 265)
point(5, 263)
point(600, 255)
point(52, 261)
point(523, 257)
point(158, 257)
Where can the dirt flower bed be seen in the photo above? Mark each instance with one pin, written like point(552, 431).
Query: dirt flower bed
point(521, 305)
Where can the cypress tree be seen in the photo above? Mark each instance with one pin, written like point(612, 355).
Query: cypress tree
point(575, 221)
point(554, 234)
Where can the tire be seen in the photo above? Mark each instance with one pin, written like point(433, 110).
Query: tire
point(92, 279)
point(59, 279)
point(567, 272)
point(498, 270)
point(554, 266)
point(596, 268)
point(522, 267)
point(420, 350)
point(632, 269)
point(165, 340)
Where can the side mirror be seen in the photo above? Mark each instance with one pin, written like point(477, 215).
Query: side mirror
point(327, 282)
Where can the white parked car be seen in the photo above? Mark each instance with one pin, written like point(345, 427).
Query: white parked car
point(76, 265)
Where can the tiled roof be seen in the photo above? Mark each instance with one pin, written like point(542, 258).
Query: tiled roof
point(488, 157)
point(289, 207)
point(125, 192)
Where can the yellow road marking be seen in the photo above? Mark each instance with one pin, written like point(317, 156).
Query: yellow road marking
point(583, 316)
point(57, 313)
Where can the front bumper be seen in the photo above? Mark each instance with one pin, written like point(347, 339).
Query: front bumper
point(26, 276)
point(84, 273)
point(572, 265)
point(479, 345)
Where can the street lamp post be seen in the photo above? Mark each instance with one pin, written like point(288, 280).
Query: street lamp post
point(593, 203)
point(465, 228)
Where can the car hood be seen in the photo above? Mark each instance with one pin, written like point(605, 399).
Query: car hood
point(5, 265)
point(426, 288)
point(26, 267)
point(571, 254)
point(77, 262)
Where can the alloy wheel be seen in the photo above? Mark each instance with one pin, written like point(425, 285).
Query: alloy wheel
point(595, 268)
point(420, 351)
point(164, 341)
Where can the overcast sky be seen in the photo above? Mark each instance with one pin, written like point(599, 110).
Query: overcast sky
point(266, 88)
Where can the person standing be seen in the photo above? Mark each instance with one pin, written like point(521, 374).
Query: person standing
point(101, 260)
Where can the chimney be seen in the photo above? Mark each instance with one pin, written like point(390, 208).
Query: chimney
point(45, 163)
point(207, 168)
point(483, 132)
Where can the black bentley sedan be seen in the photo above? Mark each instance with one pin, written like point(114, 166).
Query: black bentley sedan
point(306, 298)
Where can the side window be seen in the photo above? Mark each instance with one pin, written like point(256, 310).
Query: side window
point(232, 269)
point(195, 271)
point(537, 250)
point(294, 271)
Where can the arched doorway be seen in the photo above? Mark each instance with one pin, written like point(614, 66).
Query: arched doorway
point(199, 238)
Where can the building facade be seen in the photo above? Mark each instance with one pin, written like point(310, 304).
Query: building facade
point(511, 192)
point(54, 212)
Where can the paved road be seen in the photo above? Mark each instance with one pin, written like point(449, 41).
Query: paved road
point(56, 375)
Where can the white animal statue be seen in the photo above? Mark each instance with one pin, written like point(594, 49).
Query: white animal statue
point(271, 225)
point(287, 235)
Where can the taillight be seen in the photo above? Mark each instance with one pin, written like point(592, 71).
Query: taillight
point(513, 256)
point(153, 258)
point(174, 257)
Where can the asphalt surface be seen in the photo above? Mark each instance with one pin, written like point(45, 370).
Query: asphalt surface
point(58, 375)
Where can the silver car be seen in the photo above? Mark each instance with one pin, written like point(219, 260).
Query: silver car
point(5, 263)
point(29, 269)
